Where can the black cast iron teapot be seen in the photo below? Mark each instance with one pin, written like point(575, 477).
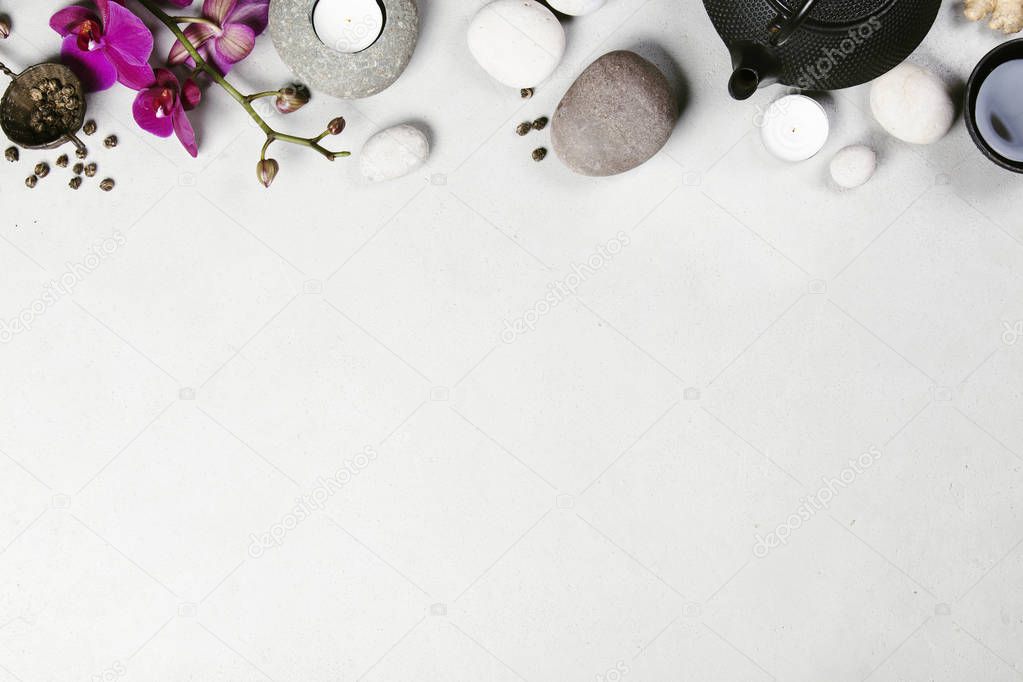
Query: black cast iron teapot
point(817, 44)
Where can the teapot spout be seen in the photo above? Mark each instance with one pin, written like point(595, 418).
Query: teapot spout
point(754, 66)
point(743, 83)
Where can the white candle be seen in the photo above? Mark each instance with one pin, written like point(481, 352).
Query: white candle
point(348, 25)
point(795, 128)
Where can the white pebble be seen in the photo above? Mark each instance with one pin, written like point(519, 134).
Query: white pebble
point(393, 152)
point(853, 166)
point(518, 42)
point(912, 104)
point(576, 8)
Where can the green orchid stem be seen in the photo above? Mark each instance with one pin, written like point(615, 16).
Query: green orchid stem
point(195, 20)
point(267, 93)
point(246, 103)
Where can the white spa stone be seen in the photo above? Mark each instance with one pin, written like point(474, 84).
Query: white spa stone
point(912, 104)
point(394, 152)
point(518, 42)
point(853, 166)
point(576, 8)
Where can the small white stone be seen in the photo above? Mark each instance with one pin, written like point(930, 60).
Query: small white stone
point(576, 8)
point(394, 152)
point(912, 104)
point(518, 42)
point(853, 166)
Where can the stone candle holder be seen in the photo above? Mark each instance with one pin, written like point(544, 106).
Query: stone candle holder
point(349, 76)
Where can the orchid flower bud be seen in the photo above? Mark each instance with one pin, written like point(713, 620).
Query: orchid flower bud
point(292, 98)
point(266, 171)
point(336, 126)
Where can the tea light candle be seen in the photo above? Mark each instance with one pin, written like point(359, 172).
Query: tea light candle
point(348, 25)
point(795, 128)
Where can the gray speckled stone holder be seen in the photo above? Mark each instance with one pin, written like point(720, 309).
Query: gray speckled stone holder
point(350, 76)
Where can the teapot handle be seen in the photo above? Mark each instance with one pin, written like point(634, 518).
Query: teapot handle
point(783, 26)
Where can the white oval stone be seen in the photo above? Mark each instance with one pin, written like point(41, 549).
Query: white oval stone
point(912, 104)
point(853, 166)
point(518, 42)
point(576, 8)
point(394, 152)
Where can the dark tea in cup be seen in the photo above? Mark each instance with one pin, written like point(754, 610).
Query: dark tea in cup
point(994, 105)
point(999, 110)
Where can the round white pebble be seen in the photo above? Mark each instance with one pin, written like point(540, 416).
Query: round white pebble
point(853, 166)
point(393, 152)
point(912, 104)
point(518, 42)
point(576, 8)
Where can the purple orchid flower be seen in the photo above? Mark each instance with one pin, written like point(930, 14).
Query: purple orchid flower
point(104, 47)
point(160, 108)
point(227, 34)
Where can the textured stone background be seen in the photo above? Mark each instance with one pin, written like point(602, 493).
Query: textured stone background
point(581, 501)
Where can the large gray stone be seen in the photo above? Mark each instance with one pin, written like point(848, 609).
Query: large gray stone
point(617, 114)
point(350, 76)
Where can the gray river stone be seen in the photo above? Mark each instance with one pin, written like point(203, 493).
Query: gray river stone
point(617, 114)
point(350, 76)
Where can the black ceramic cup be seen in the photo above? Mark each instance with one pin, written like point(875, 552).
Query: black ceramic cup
point(994, 105)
